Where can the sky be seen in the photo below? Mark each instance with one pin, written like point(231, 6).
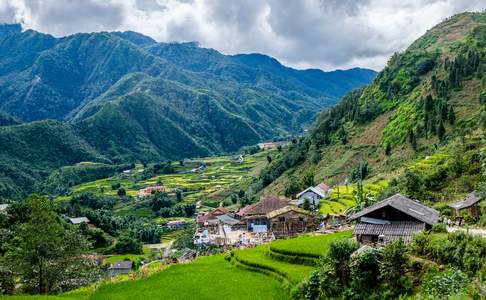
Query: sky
point(325, 34)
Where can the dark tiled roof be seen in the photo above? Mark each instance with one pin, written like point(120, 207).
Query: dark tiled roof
point(470, 200)
point(124, 264)
point(392, 231)
point(263, 207)
point(213, 214)
point(406, 205)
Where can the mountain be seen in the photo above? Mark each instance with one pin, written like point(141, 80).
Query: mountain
point(419, 125)
point(121, 97)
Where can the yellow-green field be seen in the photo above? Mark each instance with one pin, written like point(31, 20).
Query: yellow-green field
point(342, 197)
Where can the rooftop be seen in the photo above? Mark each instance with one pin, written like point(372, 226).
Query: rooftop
point(263, 206)
point(285, 210)
point(392, 231)
point(79, 220)
point(315, 189)
point(470, 200)
point(406, 205)
point(124, 264)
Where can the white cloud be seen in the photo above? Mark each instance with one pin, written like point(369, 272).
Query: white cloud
point(308, 33)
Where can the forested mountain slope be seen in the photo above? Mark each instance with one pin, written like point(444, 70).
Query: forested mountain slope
point(123, 97)
point(419, 125)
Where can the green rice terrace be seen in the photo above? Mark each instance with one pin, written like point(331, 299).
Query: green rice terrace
point(264, 272)
point(342, 196)
point(223, 174)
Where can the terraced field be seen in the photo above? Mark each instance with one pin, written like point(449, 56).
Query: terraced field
point(253, 273)
point(342, 196)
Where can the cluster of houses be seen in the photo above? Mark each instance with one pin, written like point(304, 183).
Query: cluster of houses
point(269, 218)
point(145, 192)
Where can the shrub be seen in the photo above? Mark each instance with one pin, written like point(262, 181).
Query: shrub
point(441, 285)
point(439, 228)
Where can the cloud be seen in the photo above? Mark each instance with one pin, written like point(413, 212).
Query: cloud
point(325, 34)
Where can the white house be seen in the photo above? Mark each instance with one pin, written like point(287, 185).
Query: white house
point(313, 194)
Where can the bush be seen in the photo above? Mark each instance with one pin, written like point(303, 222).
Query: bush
point(439, 228)
point(128, 245)
point(441, 285)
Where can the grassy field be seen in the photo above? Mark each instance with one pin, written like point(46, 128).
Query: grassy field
point(257, 275)
point(308, 245)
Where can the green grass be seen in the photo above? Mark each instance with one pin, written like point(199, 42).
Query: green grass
point(258, 258)
point(207, 278)
point(132, 257)
point(308, 245)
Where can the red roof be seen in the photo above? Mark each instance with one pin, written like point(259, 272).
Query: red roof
point(263, 206)
point(213, 214)
point(323, 186)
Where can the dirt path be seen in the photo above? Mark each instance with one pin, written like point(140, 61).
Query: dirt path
point(473, 231)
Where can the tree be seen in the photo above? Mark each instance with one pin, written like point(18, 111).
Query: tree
point(451, 116)
point(308, 179)
point(441, 131)
point(312, 288)
point(306, 204)
point(121, 192)
point(178, 195)
point(412, 140)
point(269, 159)
point(128, 245)
point(338, 257)
point(45, 250)
point(292, 188)
point(388, 149)
point(395, 259)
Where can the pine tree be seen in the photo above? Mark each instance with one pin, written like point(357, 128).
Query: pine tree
point(451, 116)
point(441, 131)
point(412, 140)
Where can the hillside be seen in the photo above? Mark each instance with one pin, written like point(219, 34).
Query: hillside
point(418, 126)
point(130, 99)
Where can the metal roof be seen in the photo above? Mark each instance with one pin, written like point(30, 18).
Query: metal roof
point(79, 220)
point(470, 200)
point(263, 206)
point(316, 190)
point(3, 207)
point(406, 205)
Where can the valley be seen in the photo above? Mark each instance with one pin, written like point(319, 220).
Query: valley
point(191, 174)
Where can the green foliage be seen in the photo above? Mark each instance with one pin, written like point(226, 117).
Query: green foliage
point(128, 245)
point(441, 285)
point(439, 228)
point(45, 251)
point(395, 259)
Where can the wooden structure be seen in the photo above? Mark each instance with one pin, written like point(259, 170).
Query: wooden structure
point(120, 267)
point(203, 220)
point(151, 190)
point(256, 213)
point(289, 221)
point(470, 204)
point(396, 217)
point(313, 194)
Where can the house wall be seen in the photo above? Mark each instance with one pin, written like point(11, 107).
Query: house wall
point(314, 199)
point(391, 214)
point(290, 223)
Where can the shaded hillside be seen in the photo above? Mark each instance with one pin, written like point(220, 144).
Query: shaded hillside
point(429, 99)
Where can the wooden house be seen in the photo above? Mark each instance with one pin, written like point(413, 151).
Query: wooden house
point(469, 204)
point(396, 217)
point(289, 220)
point(212, 215)
point(151, 190)
point(255, 215)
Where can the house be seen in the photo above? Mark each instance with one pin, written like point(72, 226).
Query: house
point(151, 190)
point(120, 267)
point(313, 194)
point(187, 256)
point(269, 145)
point(203, 219)
point(255, 215)
point(396, 217)
point(3, 208)
point(78, 221)
point(471, 204)
point(176, 224)
point(289, 220)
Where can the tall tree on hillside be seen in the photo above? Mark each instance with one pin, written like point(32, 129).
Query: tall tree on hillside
point(412, 140)
point(46, 251)
point(451, 115)
point(441, 131)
